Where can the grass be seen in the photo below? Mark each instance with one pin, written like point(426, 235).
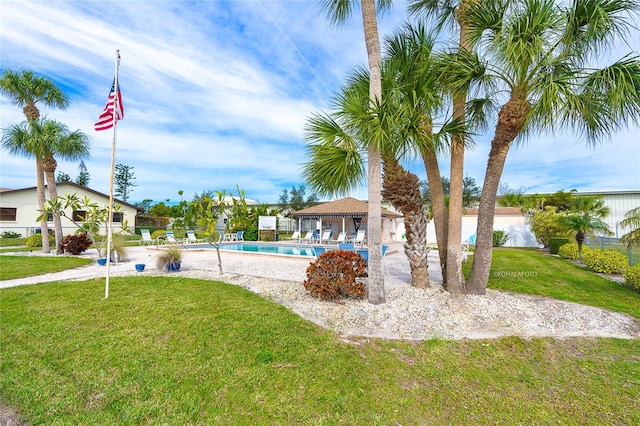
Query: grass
point(12, 267)
point(9, 242)
point(168, 350)
point(531, 272)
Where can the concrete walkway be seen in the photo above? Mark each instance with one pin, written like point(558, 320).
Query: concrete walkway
point(283, 268)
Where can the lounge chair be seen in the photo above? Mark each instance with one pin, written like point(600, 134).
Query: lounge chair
point(308, 237)
point(318, 251)
point(295, 237)
point(191, 238)
point(365, 254)
point(346, 246)
point(146, 239)
point(361, 237)
point(171, 239)
point(342, 237)
point(326, 236)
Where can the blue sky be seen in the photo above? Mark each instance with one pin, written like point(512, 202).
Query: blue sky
point(216, 95)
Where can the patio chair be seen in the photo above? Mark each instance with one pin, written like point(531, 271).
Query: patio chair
point(191, 238)
point(308, 237)
point(318, 251)
point(361, 237)
point(294, 237)
point(171, 239)
point(365, 254)
point(238, 236)
point(346, 246)
point(342, 237)
point(146, 239)
point(326, 236)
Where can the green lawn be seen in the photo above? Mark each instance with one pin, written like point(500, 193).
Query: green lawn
point(531, 272)
point(169, 350)
point(12, 267)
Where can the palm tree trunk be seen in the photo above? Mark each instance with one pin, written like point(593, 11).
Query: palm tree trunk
point(375, 290)
point(49, 166)
point(416, 248)
point(438, 206)
point(44, 229)
point(510, 122)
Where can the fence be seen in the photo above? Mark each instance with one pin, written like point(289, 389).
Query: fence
point(605, 243)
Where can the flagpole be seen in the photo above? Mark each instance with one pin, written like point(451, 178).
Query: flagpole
point(113, 157)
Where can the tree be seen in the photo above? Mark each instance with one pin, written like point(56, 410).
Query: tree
point(470, 190)
point(160, 209)
point(25, 89)
point(631, 222)
point(538, 55)
point(294, 200)
point(124, 181)
point(62, 177)
point(548, 223)
point(339, 143)
point(46, 139)
point(451, 14)
point(338, 11)
point(585, 219)
point(83, 176)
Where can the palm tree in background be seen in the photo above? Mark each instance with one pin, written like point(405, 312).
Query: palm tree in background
point(535, 55)
point(26, 89)
point(45, 139)
point(631, 221)
point(585, 219)
point(338, 11)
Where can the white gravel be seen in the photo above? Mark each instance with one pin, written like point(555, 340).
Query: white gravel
point(410, 313)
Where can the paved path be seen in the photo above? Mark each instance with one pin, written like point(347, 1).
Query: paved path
point(285, 268)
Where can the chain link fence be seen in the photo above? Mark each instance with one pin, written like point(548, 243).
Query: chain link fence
point(606, 243)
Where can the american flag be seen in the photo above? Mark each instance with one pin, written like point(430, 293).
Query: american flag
point(105, 121)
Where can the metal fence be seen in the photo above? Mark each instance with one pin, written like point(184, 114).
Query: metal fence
point(606, 243)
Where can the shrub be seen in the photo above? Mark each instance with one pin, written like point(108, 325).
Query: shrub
point(500, 238)
point(334, 275)
point(35, 240)
point(632, 277)
point(76, 244)
point(556, 242)
point(570, 251)
point(158, 234)
point(11, 234)
point(605, 261)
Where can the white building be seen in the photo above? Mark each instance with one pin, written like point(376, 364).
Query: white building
point(19, 209)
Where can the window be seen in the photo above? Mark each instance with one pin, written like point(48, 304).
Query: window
point(8, 214)
point(79, 215)
point(118, 216)
point(49, 217)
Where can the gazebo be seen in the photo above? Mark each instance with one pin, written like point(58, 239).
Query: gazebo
point(344, 215)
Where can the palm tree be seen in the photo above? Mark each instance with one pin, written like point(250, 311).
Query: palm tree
point(632, 222)
point(25, 89)
point(45, 139)
point(338, 11)
point(586, 219)
point(451, 13)
point(536, 54)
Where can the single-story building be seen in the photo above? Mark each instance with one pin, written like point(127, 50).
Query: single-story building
point(344, 215)
point(19, 209)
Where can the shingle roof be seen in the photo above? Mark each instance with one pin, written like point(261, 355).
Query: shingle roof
point(348, 207)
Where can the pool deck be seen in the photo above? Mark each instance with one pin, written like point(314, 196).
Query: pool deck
point(284, 268)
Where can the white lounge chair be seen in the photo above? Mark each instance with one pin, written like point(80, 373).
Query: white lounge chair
point(146, 239)
point(191, 238)
point(308, 238)
point(326, 236)
point(171, 239)
point(361, 237)
point(294, 237)
point(342, 237)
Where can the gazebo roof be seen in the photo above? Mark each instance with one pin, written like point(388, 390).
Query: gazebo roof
point(345, 207)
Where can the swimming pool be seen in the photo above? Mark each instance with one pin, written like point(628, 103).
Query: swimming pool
point(261, 248)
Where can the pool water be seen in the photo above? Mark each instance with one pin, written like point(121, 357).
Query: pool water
point(262, 248)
